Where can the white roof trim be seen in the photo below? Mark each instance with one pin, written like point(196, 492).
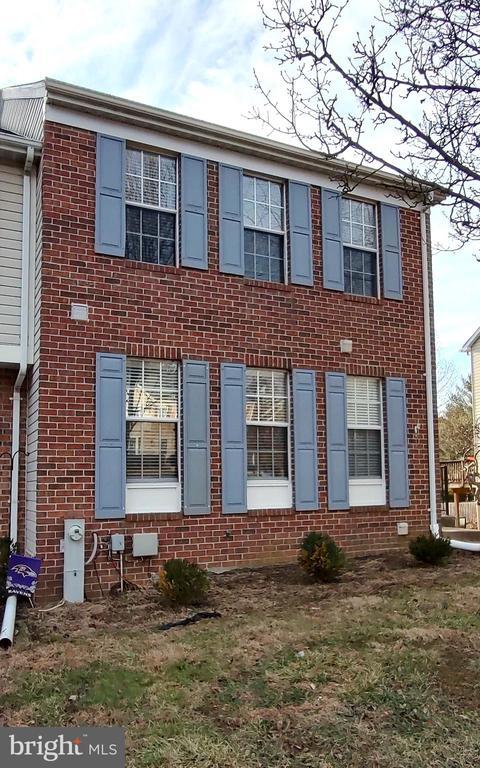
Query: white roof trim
point(27, 91)
point(78, 99)
point(471, 341)
point(13, 143)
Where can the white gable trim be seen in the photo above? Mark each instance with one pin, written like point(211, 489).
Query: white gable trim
point(471, 341)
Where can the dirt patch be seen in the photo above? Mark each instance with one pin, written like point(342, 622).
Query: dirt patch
point(239, 593)
point(458, 675)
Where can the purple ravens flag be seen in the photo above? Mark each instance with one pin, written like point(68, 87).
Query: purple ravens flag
point(22, 575)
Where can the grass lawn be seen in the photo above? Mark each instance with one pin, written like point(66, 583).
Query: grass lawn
point(381, 669)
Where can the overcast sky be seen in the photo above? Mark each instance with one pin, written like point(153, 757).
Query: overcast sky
point(195, 57)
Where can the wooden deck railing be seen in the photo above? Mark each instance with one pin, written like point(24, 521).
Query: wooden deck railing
point(455, 471)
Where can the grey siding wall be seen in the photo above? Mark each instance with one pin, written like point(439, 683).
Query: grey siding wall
point(23, 116)
point(34, 390)
point(11, 205)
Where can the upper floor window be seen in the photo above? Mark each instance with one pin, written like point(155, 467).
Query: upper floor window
point(267, 424)
point(364, 421)
point(152, 411)
point(151, 196)
point(264, 235)
point(359, 236)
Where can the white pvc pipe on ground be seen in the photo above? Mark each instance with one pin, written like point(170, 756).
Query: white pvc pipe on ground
point(8, 625)
point(470, 546)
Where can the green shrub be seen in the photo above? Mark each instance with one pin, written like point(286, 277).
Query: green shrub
point(430, 550)
point(320, 557)
point(183, 583)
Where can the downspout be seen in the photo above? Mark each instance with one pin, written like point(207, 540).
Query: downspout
point(429, 376)
point(8, 625)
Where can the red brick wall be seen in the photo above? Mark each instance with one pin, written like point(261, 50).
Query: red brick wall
point(167, 312)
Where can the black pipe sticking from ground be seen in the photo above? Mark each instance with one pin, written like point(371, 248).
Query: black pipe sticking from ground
point(200, 616)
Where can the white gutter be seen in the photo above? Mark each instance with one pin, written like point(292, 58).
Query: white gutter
point(429, 378)
point(8, 625)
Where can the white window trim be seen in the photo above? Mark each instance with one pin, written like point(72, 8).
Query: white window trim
point(367, 493)
point(176, 210)
point(270, 495)
point(144, 498)
point(283, 232)
point(370, 491)
point(272, 492)
point(375, 250)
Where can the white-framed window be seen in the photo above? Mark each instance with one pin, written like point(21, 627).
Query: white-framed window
point(264, 229)
point(152, 419)
point(152, 414)
point(360, 247)
point(151, 210)
point(365, 441)
point(268, 439)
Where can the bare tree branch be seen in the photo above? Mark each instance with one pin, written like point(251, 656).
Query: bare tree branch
point(414, 76)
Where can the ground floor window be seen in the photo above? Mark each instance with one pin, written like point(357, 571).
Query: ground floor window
point(365, 441)
point(152, 420)
point(268, 439)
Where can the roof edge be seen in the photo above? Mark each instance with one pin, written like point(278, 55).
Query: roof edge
point(117, 108)
point(471, 341)
point(14, 143)
point(26, 91)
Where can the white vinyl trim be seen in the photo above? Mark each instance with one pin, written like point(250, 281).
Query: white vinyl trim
point(151, 498)
point(10, 354)
point(269, 494)
point(364, 492)
point(429, 379)
point(165, 141)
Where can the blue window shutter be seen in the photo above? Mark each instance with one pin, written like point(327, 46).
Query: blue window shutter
point(337, 440)
point(399, 495)
point(110, 443)
point(196, 438)
point(333, 276)
point(194, 252)
point(231, 220)
point(391, 252)
point(305, 440)
point(234, 438)
point(300, 216)
point(110, 196)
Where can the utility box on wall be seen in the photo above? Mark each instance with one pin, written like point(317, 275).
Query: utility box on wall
point(117, 542)
point(145, 544)
point(74, 561)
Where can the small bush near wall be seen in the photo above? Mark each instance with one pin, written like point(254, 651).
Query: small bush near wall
point(183, 583)
point(320, 557)
point(429, 550)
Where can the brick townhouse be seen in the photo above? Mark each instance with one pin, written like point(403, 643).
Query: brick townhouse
point(227, 350)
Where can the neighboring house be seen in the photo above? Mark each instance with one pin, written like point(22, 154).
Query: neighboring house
point(231, 353)
point(18, 195)
point(472, 347)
